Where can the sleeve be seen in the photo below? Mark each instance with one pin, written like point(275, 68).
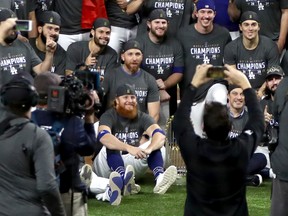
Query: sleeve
point(178, 58)
point(78, 137)
point(182, 126)
point(107, 119)
point(188, 9)
point(153, 91)
point(35, 60)
point(71, 57)
point(284, 63)
point(112, 62)
point(146, 120)
point(229, 54)
point(254, 128)
point(43, 157)
point(273, 54)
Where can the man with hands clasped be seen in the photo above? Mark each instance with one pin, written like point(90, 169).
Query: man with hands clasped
point(216, 166)
point(120, 131)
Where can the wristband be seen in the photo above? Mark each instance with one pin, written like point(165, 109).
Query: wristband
point(158, 130)
point(101, 134)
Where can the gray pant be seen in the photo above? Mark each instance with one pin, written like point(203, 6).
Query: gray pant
point(279, 200)
point(79, 206)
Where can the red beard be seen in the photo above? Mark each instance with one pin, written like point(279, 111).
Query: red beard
point(130, 114)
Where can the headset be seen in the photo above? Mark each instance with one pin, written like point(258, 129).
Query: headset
point(30, 99)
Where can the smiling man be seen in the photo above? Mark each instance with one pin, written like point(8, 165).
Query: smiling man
point(252, 53)
point(163, 59)
point(96, 53)
point(130, 73)
point(49, 23)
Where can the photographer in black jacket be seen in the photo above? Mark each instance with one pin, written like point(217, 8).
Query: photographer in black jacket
point(217, 166)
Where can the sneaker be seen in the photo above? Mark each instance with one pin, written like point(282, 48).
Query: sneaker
point(129, 181)
point(115, 186)
point(135, 188)
point(165, 180)
point(86, 175)
point(254, 180)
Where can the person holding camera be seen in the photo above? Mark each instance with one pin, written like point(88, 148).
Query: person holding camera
point(27, 176)
point(77, 135)
point(18, 57)
point(217, 166)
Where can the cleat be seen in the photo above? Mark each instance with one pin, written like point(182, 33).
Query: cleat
point(165, 180)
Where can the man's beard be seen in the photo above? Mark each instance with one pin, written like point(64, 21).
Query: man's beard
point(269, 92)
point(44, 38)
point(97, 42)
point(10, 39)
point(131, 114)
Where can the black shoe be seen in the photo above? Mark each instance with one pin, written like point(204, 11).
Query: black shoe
point(254, 180)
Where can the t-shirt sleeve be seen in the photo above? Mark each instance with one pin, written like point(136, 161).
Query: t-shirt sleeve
point(153, 91)
point(273, 54)
point(179, 58)
point(35, 60)
point(71, 57)
point(229, 55)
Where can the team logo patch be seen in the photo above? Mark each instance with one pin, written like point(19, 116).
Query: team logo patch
point(248, 132)
point(51, 19)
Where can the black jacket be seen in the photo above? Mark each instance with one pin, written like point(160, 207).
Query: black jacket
point(216, 172)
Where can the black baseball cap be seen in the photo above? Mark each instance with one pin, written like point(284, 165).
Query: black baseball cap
point(131, 44)
point(249, 15)
point(157, 14)
point(275, 70)
point(6, 13)
point(50, 17)
point(125, 89)
point(231, 87)
point(101, 22)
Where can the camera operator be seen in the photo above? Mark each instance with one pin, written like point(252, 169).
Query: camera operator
point(27, 177)
point(77, 138)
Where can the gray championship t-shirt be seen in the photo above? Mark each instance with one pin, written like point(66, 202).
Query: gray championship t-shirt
point(253, 63)
point(145, 86)
point(78, 52)
point(15, 59)
point(127, 130)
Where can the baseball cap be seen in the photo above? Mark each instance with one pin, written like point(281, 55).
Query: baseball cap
point(205, 4)
point(6, 13)
point(131, 44)
point(275, 70)
point(231, 87)
point(50, 17)
point(125, 89)
point(101, 22)
point(157, 14)
point(249, 15)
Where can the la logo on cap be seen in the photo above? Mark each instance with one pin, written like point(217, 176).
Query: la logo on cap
point(128, 91)
point(250, 16)
point(135, 45)
point(51, 19)
point(105, 23)
point(206, 6)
